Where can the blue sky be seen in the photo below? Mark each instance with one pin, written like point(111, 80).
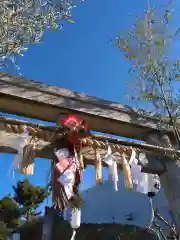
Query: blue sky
point(83, 58)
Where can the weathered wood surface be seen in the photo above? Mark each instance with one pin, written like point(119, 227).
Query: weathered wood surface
point(9, 142)
point(36, 100)
point(10, 130)
point(48, 133)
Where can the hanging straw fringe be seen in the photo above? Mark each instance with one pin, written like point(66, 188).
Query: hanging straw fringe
point(24, 159)
point(81, 156)
point(127, 174)
point(27, 165)
point(98, 166)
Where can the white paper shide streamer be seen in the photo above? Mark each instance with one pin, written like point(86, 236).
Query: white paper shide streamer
point(140, 179)
point(110, 160)
point(145, 183)
point(23, 141)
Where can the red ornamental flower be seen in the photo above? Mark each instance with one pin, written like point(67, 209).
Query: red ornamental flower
point(71, 121)
point(78, 129)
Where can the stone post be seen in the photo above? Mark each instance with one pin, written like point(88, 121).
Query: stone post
point(170, 179)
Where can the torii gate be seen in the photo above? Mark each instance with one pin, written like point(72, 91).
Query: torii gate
point(36, 100)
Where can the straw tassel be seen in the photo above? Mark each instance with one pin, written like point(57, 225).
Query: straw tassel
point(27, 166)
point(81, 162)
point(127, 174)
point(98, 166)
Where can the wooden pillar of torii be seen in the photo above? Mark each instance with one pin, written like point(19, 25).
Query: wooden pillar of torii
point(35, 100)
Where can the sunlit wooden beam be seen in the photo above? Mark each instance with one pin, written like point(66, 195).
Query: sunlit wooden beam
point(36, 100)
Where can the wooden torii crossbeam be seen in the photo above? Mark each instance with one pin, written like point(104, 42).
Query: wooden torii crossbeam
point(35, 100)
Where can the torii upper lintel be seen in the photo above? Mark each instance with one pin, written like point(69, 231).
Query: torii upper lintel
point(36, 100)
